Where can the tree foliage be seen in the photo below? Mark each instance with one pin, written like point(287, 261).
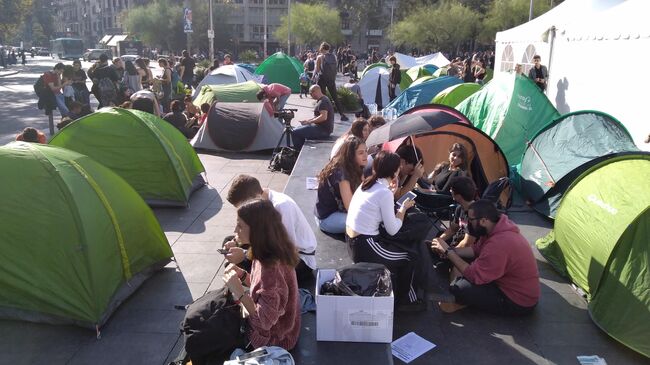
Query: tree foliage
point(12, 15)
point(505, 14)
point(444, 26)
point(311, 24)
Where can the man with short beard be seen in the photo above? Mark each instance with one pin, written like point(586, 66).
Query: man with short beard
point(503, 277)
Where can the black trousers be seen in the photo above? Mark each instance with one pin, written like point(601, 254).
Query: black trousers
point(330, 85)
point(391, 92)
point(487, 297)
point(373, 249)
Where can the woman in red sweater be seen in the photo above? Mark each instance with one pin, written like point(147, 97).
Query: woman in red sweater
point(273, 304)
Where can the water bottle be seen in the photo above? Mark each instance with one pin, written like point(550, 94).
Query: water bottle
point(372, 108)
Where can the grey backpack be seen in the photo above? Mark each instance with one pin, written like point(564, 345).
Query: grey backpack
point(265, 355)
point(329, 67)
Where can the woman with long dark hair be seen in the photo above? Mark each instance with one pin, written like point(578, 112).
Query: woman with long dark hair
point(132, 78)
point(372, 205)
point(337, 182)
point(273, 303)
point(442, 174)
point(359, 128)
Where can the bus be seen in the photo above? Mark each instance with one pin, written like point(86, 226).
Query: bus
point(67, 48)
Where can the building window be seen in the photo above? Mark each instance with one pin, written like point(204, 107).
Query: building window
point(507, 59)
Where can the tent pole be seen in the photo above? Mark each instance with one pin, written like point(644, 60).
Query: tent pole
point(550, 55)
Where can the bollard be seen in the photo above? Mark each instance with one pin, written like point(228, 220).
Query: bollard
point(51, 121)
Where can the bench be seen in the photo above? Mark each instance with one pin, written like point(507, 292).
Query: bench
point(331, 253)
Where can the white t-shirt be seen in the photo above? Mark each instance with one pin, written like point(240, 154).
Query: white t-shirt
point(370, 208)
point(297, 226)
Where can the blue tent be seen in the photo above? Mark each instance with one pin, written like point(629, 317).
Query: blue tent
point(422, 93)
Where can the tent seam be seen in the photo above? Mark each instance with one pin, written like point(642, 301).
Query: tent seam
point(111, 214)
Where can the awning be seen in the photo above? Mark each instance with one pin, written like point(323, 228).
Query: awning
point(115, 39)
point(106, 38)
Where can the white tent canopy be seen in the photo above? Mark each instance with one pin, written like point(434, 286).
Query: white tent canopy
point(228, 74)
point(587, 68)
point(583, 43)
point(518, 45)
point(437, 59)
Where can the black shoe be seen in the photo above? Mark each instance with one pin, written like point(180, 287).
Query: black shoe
point(417, 306)
point(344, 118)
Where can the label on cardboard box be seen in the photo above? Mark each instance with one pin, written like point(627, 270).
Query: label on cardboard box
point(363, 319)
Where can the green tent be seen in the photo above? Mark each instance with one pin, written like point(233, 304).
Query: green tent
point(511, 109)
point(282, 69)
point(146, 151)
point(563, 150)
point(442, 71)
point(406, 80)
point(416, 72)
point(230, 93)
point(453, 95)
point(371, 66)
point(77, 239)
point(600, 240)
point(423, 79)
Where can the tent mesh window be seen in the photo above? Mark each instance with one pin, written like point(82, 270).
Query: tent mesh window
point(527, 58)
point(507, 59)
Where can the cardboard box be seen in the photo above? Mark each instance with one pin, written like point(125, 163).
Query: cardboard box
point(352, 318)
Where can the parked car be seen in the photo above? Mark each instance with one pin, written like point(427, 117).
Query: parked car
point(93, 54)
point(42, 51)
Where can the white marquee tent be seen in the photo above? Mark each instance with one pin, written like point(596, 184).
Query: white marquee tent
point(586, 45)
point(374, 87)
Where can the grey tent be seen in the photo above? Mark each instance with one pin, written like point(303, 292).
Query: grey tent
point(238, 127)
point(566, 148)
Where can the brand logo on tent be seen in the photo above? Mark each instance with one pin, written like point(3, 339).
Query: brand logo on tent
point(524, 102)
point(594, 199)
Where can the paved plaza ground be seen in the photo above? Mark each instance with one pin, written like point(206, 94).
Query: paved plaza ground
point(144, 330)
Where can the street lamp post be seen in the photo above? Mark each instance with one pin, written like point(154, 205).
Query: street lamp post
point(265, 26)
point(289, 27)
point(530, 12)
point(211, 35)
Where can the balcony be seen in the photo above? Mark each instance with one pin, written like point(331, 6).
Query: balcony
point(346, 31)
point(375, 32)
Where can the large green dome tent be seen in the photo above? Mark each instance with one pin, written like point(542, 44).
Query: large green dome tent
point(511, 109)
point(421, 94)
point(373, 65)
point(454, 95)
point(568, 146)
point(282, 69)
point(600, 241)
point(231, 93)
point(77, 240)
point(146, 151)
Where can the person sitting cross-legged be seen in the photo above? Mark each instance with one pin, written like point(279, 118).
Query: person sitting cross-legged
point(245, 188)
point(503, 278)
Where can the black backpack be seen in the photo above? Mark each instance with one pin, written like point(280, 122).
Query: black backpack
point(284, 160)
point(212, 324)
point(329, 66)
point(39, 86)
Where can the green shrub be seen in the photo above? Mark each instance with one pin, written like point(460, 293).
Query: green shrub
point(349, 99)
point(248, 56)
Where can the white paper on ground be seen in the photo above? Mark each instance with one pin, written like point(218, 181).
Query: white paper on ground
point(591, 360)
point(311, 183)
point(410, 346)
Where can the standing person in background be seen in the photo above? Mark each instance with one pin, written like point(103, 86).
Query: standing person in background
point(539, 73)
point(227, 60)
point(132, 79)
point(394, 78)
point(166, 82)
point(187, 69)
point(146, 77)
point(468, 74)
point(310, 65)
point(105, 82)
point(79, 77)
point(326, 68)
point(479, 71)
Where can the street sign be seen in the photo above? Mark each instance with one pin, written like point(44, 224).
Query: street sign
point(187, 20)
point(210, 34)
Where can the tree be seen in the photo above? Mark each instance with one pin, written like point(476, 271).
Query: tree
point(311, 24)
point(11, 16)
point(159, 23)
point(505, 14)
point(443, 27)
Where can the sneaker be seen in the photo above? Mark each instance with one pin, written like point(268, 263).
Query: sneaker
point(344, 118)
point(417, 306)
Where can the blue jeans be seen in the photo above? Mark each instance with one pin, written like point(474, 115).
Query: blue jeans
point(60, 103)
point(334, 223)
point(282, 100)
point(310, 131)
